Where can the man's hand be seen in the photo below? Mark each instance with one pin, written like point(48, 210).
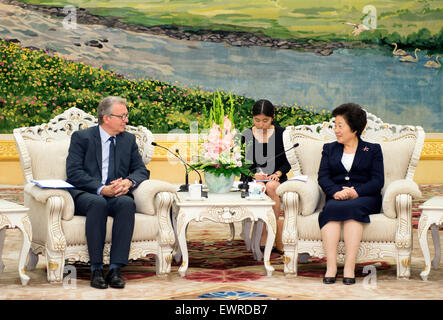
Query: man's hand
point(121, 186)
point(117, 188)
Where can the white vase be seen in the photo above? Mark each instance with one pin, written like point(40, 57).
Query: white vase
point(219, 184)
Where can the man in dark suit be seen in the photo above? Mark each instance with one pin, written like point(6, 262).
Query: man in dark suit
point(105, 166)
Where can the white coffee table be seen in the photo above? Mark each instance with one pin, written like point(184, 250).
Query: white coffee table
point(226, 208)
point(13, 215)
point(431, 216)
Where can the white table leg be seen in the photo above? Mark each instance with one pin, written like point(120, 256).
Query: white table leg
point(268, 248)
point(181, 228)
point(436, 240)
point(24, 226)
point(2, 240)
point(255, 241)
point(423, 226)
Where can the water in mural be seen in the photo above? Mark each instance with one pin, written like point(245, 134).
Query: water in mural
point(399, 87)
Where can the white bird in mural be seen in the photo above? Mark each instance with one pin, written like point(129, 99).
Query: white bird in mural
point(358, 28)
point(409, 58)
point(399, 52)
point(433, 64)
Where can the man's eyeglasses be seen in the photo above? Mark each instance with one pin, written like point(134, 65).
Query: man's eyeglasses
point(123, 116)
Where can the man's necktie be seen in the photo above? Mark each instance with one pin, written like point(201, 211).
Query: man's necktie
point(111, 166)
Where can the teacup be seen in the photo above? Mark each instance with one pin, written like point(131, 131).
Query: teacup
point(195, 191)
point(256, 190)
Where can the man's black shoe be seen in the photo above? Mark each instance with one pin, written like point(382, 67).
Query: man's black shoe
point(114, 278)
point(98, 279)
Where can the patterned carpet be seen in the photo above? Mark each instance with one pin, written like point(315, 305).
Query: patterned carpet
point(222, 270)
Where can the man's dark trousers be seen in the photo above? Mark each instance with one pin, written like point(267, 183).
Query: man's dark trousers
point(96, 208)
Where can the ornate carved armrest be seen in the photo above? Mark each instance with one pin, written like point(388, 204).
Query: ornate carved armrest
point(47, 207)
point(394, 189)
point(155, 197)
point(42, 195)
point(309, 194)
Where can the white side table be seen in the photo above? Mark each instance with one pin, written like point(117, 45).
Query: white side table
point(226, 208)
point(432, 216)
point(13, 215)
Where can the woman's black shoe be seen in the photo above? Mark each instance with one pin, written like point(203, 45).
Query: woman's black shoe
point(329, 280)
point(348, 281)
point(274, 249)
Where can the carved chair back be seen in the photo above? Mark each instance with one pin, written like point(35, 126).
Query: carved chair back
point(401, 146)
point(43, 148)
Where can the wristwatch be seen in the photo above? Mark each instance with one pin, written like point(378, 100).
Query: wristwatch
point(133, 184)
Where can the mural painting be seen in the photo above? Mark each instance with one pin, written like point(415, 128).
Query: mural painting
point(167, 58)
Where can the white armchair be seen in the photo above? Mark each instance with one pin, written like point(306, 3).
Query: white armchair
point(60, 235)
point(390, 232)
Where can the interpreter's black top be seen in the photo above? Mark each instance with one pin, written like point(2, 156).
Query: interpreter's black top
point(270, 156)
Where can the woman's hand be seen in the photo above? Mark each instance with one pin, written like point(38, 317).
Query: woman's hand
point(340, 195)
point(275, 176)
point(348, 193)
point(260, 176)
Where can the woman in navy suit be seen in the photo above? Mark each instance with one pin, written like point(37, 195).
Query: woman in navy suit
point(351, 175)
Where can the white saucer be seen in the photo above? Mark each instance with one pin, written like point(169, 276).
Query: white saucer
point(252, 199)
point(196, 199)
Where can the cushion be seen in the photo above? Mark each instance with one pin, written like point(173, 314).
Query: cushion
point(309, 156)
point(48, 159)
point(145, 228)
point(380, 229)
point(144, 194)
point(308, 192)
point(396, 158)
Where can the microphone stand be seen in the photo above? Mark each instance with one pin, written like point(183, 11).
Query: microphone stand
point(186, 186)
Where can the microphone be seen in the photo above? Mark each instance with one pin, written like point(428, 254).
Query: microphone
point(184, 187)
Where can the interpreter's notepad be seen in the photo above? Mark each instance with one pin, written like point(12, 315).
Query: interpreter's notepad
point(52, 184)
point(303, 178)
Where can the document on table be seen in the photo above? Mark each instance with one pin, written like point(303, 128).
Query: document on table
point(303, 178)
point(53, 184)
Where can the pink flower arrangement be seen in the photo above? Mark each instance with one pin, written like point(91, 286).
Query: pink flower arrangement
point(221, 150)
